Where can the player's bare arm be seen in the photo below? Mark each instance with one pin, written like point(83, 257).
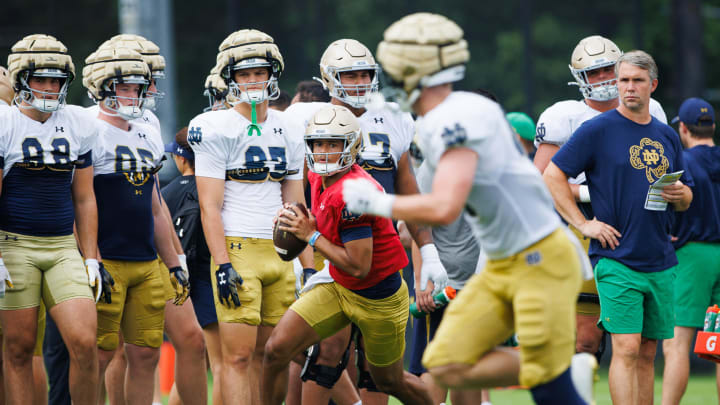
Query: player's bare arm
point(354, 258)
point(678, 194)
point(556, 181)
point(86, 217)
point(163, 231)
point(211, 193)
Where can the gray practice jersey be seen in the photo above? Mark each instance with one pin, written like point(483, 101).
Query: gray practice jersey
point(459, 250)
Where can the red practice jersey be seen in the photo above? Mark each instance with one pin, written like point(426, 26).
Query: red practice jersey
point(336, 224)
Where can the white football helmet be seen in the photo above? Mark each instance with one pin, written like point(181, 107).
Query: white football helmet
point(247, 49)
point(105, 69)
point(592, 53)
point(338, 123)
point(150, 54)
point(40, 55)
point(421, 50)
point(345, 55)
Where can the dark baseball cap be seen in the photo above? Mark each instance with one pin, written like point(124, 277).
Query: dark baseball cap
point(176, 149)
point(695, 111)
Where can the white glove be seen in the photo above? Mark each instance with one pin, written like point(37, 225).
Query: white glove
point(363, 197)
point(4, 276)
point(93, 272)
point(432, 269)
point(183, 263)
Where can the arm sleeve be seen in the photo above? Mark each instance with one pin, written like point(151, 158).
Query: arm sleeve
point(209, 148)
point(577, 154)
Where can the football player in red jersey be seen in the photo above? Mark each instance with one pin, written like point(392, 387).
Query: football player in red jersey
point(365, 257)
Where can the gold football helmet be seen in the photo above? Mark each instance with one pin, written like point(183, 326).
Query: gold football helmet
point(105, 69)
point(345, 55)
point(40, 55)
point(6, 88)
point(216, 90)
point(592, 53)
point(422, 50)
point(338, 123)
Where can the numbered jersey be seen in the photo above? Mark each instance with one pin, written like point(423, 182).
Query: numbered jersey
point(251, 165)
point(386, 136)
point(125, 163)
point(559, 122)
point(38, 160)
point(509, 205)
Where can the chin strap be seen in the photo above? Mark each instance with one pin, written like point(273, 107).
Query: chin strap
point(253, 127)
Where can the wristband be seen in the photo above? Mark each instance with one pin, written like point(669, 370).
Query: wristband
point(314, 238)
point(584, 193)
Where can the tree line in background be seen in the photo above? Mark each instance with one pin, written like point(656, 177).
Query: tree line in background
point(520, 49)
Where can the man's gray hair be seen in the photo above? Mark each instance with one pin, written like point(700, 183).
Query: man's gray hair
point(640, 59)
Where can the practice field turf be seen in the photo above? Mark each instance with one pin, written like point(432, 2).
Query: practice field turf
point(700, 391)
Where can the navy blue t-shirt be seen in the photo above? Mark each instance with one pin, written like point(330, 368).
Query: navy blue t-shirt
point(701, 222)
point(621, 159)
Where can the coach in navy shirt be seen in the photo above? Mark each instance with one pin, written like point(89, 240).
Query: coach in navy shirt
point(622, 153)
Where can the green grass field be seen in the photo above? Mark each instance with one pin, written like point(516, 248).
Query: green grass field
point(700, 391)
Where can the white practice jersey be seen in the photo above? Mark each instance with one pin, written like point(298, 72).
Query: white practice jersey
point(559, 121)
point(252, 165)
point(38, 159)
point(148, 118)
point(510, 206)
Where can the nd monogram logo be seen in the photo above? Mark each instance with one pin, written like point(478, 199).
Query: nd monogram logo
point(649, 155)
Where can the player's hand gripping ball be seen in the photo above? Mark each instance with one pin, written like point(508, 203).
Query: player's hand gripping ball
point(287, 245)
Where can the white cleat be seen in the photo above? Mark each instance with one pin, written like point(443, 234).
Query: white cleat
point(582, 372)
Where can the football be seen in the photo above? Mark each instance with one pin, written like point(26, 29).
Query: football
point(287, 245)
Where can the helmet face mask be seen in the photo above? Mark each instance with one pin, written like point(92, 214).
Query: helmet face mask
point(348, 55)
point(592, 53)
point(44, 101)
point(126, 107)
point(332, 123)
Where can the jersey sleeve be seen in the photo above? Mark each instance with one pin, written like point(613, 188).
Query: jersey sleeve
point(296, 151)
point(209, 148)
point(469, 129)
point(407, 129)
point(657, 111)
point(5, 134)
point(576, 155)
point(553, 126)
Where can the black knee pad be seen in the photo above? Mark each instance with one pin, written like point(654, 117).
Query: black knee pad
point(324, 376)
point(602, 347)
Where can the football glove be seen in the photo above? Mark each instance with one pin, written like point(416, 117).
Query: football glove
point(228, 282)
point(92, 267)
point(4, 276)
point(180, 283)
point(432, 269)
point(107, 283)
point(363, 197)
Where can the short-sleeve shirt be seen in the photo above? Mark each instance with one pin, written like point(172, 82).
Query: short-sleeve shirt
point(38, 159)
point(124, 166)
point(509, 202)
point(340, 226)
point(621, 159)
point(253, 166)
point(701, 222)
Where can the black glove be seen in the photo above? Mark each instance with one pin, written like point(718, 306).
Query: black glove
point(108, 285)
point(228, 282)
point(180, 283)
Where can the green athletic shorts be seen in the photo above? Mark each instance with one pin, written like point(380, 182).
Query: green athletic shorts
point(633, 301)
point(697, 282)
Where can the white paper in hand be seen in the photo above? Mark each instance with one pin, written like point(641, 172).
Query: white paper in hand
point(653, 200)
